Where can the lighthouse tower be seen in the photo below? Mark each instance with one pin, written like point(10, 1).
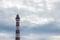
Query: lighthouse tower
point(17, 28)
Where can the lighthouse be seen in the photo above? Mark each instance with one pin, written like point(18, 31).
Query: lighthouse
point(17, 27)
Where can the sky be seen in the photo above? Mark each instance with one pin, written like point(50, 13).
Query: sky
point(39, 19)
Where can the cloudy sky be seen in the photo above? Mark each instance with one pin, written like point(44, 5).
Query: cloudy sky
point(39, 19)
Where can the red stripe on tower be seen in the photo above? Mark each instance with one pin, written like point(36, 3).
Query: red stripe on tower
point(17, 28)
point(17, 23)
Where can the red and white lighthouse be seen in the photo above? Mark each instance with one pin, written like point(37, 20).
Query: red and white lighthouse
point(17, 28)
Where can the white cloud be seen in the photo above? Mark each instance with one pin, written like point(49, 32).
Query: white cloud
point(6, 36)
point(34, 19)
point(31, 36)
point(32, 6)
point(7, 16)
point(55, 37)
point(37, 1)
point(34, 36)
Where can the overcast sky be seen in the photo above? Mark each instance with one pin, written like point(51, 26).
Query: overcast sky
point(40, 19)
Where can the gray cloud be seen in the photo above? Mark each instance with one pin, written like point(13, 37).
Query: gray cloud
point(57, 5)
point(30, 9)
